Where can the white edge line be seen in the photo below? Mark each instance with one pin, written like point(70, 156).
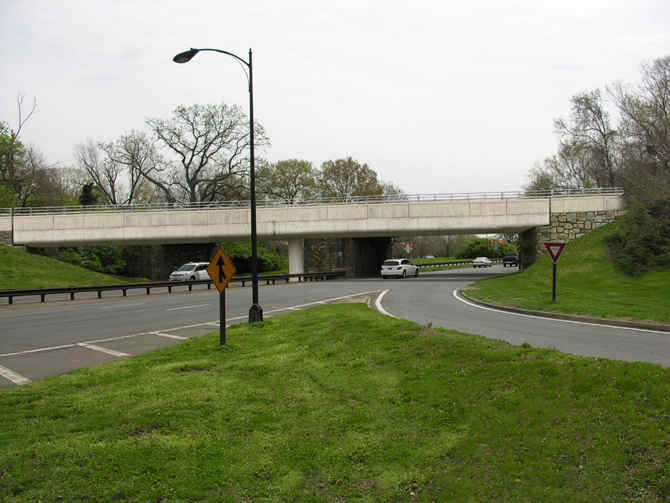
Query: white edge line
point(378, 304)
point(187, 307)
point(102, 350)
point(555, 319)
point(170, 336)
point(13, 376)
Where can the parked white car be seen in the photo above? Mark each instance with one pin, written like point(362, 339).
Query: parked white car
point(400, 268)
point(190, 272)
point(482, 262)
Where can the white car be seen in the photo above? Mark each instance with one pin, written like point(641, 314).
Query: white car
point(400, 268)
point(190, 272)
point(482, 262)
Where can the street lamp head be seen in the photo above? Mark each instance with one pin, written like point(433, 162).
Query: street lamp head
point(185, 57)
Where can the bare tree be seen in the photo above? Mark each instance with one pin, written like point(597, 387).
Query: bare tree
point(137, 154)
point(588, 140)
point(645, 112)
point(207, 152)
point(24, 173)
point(105, 173)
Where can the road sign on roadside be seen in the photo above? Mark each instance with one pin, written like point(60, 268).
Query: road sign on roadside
point(221, 269)
point(555, 250)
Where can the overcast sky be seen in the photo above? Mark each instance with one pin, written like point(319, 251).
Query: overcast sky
point(435, 96)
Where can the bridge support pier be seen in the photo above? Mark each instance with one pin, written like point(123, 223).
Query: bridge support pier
point(295, 257)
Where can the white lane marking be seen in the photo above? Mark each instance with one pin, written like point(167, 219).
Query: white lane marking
point(13, 376)
point(102, 350)
point(170, 336)
point(116, 307)
point(320, 290)
point(378, 303)
point(212, 323)
point(500, 311)
point(187, 307)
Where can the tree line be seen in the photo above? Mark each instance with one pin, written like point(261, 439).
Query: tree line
point(620, 137)
point(199, 154)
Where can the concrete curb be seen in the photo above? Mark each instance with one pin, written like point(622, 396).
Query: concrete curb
point(570, 317)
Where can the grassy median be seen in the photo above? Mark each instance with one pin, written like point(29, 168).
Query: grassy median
point(587, 284)
point(340, 403)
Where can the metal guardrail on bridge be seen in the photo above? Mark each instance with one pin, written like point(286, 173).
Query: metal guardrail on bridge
point(153, 285)
point(397, 198)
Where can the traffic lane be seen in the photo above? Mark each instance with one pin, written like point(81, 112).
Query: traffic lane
point(20, 367)
point(578, 338)
point(48, 326)
point(29, 329)
point(432, 303)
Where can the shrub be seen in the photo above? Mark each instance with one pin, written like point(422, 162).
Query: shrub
point(641, 241)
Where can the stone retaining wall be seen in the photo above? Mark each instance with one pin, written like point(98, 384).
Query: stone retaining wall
point(566, 227)
point(6, 238)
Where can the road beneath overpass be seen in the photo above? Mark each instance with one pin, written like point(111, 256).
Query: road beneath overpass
point(40, 340)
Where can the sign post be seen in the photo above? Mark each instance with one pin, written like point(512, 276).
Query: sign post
point(221, 269)
point(555, 250)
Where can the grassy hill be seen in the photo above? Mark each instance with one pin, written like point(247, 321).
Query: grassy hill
point(19, 269)
point(587, 284)
point(340, 403)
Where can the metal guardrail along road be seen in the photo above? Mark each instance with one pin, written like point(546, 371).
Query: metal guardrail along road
point(153, 285)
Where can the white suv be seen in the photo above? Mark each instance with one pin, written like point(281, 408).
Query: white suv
point(190, 272)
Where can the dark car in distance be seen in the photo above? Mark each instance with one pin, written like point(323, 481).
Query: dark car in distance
point(511, 259)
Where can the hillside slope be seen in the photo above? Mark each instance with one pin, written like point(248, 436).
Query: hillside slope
point(19, 269)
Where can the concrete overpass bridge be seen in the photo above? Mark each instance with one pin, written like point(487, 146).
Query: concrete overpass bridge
point(557, 215)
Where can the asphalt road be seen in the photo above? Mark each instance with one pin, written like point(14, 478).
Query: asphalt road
point(40, 340)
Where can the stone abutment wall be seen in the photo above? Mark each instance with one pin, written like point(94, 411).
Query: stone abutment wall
point(564, 227)
point(6, 238)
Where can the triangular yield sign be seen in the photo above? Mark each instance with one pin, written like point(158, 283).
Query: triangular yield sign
point(555, 250)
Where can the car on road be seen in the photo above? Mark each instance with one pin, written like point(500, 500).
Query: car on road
point(190, 272)
point(511, 259)
point(482, 262)
point(400, 268)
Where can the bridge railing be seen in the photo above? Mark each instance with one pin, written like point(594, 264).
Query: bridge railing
point(319, 201)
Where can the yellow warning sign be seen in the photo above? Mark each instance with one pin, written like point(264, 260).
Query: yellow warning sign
point(221, 269)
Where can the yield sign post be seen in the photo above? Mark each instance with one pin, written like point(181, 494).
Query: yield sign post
point(221, 269)
point(555, 250)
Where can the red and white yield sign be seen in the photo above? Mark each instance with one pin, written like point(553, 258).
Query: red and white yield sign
point(555, 250)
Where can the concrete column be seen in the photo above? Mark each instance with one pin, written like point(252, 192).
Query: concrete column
point(295, 257)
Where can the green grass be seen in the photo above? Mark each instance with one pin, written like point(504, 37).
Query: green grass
point(19, 269)
point(339, 403)
point(587, 284)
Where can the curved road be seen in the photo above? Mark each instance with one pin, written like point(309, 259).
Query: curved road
point(39, 340)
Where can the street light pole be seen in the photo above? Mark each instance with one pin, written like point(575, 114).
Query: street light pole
point(255, 311)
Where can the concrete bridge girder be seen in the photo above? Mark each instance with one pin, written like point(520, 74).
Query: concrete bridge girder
point(371, 220)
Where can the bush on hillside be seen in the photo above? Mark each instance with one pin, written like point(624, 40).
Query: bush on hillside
point(641, 241)
point(104, 259)
point(240, 255)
